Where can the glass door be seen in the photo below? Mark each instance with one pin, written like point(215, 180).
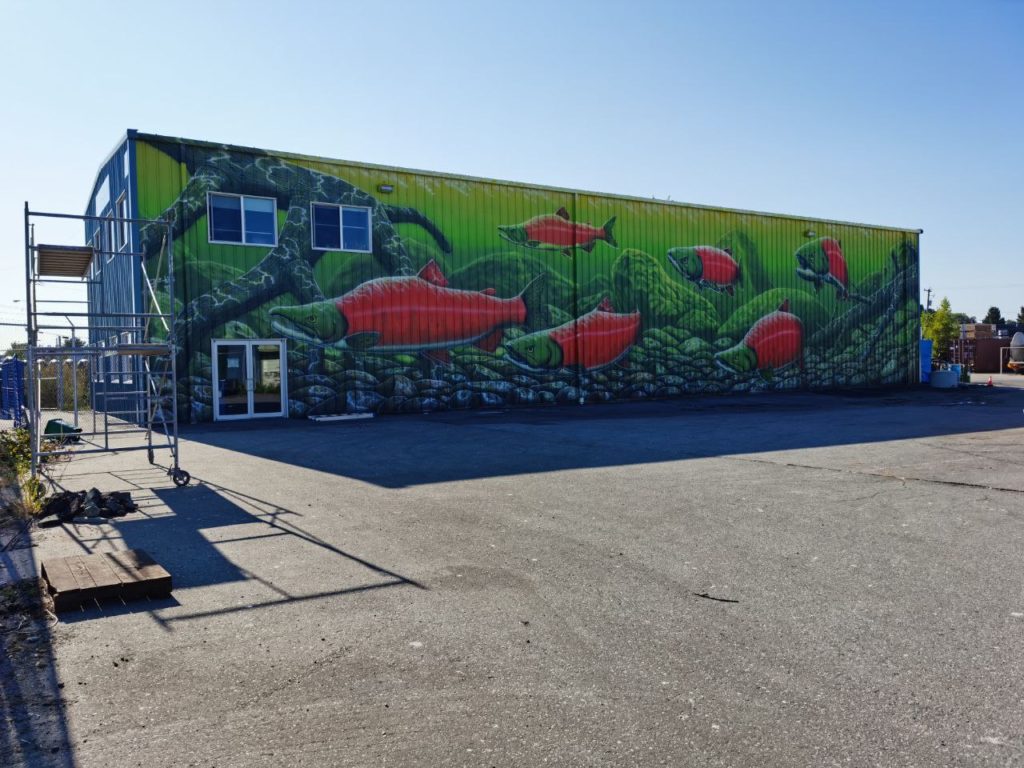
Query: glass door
point(231, 373)
point(248, 379)
point(267, 359)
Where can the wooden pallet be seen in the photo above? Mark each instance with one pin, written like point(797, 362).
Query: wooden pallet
point(128, 575)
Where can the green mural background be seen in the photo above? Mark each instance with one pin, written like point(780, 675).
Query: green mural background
point(797, 303)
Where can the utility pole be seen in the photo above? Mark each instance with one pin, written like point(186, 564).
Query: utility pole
point(928, 291)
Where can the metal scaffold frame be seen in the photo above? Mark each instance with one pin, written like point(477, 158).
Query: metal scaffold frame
point(129, 374)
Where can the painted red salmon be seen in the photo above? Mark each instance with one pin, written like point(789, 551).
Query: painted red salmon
point(595, 340)
point(405, 314)
point(707, 266)
point(822, 262)
point(773, 342)
point(558, 232)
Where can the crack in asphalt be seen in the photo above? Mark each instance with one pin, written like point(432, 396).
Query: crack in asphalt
point(883, 475)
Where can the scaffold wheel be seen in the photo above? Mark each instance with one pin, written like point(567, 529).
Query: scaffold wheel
point(180, 477)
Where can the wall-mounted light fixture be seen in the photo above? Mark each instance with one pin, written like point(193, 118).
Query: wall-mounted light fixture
point(810, 233)
point(386, 188)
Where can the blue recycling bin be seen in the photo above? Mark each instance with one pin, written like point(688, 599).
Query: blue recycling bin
point(926, 360)
point(12, 391)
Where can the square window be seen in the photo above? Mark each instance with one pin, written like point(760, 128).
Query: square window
point(226, 218)
point(260, 220)
point(326, 227)
point(355, 225)
point(242, 219)
point(341, 228)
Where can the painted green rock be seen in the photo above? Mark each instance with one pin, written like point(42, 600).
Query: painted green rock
point(641, 283)
point(810, 311)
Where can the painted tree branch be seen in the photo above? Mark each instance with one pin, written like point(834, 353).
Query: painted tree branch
point(884, 302)
point(291, 185)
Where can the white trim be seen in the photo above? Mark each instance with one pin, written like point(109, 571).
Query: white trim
point(341, 227)
point(108, 239)
point(115, 365)
point(127, 370)
point(250, 345)
point(241, 205)
point(124, 232)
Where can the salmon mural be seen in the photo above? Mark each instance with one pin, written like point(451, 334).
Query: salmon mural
point(707, 267)
point(558, 232)
point(598, 339)
point(405, 314)
point(453, 307)
point(772, 343)
point(822, 262)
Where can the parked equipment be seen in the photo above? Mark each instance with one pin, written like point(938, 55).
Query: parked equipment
point(1016, 361)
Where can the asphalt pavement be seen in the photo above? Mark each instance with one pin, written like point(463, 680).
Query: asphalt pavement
point(767, 581)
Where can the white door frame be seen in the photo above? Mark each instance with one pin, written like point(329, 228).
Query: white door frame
point(249, 345)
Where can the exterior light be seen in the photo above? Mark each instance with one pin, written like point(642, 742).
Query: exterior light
point(386, 188)
point(810, 233)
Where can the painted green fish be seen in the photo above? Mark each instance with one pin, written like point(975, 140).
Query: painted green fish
point(773, 342)
point(595, 340)
point(822, 262)
point(558, 232)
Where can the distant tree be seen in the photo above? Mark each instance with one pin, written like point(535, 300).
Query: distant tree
point(16, 349)
point(963, 318)
point(942, 328)
point(1020, 317)
point(927, 317)
point(994, 316)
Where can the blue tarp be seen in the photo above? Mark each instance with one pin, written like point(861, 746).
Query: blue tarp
point(926, 360)
point(12, 391)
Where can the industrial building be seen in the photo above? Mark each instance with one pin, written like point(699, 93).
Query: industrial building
point(306, 286)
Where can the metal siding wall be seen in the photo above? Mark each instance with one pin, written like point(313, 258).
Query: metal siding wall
point(117, 277)
point(688, 333)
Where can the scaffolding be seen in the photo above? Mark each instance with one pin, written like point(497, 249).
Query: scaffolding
point(112, 386)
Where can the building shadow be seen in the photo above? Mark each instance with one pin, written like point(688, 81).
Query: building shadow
point(175, 536)
point(410, 450)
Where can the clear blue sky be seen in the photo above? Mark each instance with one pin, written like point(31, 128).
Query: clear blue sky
point(901, 113)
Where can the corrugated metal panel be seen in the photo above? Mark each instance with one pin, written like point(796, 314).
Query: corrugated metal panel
point(114, 279)
point(539, 295)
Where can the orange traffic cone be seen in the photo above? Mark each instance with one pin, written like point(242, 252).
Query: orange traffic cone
point(989, 384)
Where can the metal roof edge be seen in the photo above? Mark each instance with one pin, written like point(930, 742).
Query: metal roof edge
point(508, 183)
point(129, 134)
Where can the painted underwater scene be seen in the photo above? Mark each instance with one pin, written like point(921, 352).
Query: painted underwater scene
point(481, 294)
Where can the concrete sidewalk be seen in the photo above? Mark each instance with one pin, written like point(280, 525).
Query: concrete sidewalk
point(771, 581)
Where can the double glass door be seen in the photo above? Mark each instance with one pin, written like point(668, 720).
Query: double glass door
point(249, 379)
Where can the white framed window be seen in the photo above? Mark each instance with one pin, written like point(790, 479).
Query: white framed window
point(115, 366)
point(110, 237)
point(102, 198)
point(121, 211)
point(241, 219)
point(126, 360)
point(341, 227)
point(97, 363)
